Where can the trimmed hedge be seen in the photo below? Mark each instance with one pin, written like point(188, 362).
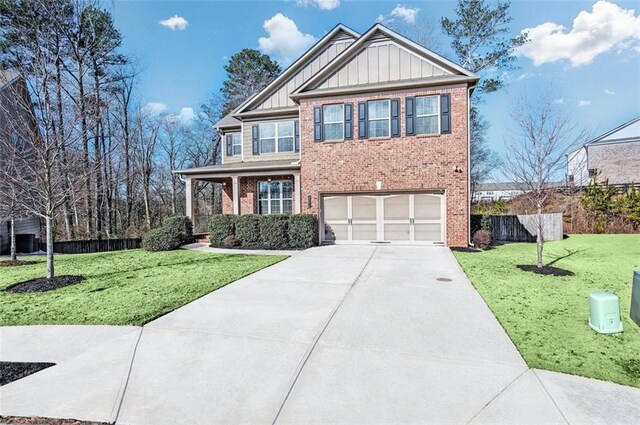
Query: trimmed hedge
point(274, 231)
point(174, 232)
point(248, 230)
point(303, 231)
point(221, 226)
point(277, 231)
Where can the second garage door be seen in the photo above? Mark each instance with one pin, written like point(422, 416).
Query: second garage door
point(416, 218)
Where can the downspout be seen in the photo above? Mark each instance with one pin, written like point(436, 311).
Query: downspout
point(469, 90)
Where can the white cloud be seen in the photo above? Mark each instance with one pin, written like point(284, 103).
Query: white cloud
point(155, 107)
point(175, 23)
point(408, 14)
point(400, 12)
point(559, 101)
point(320, 4)
point(609, 92)
point(584, 103)
point(285, 39)
point(186, 115)
point(607, 27)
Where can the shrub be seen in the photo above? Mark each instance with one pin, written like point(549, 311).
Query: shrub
point(248, 230)
point(183, 224)
point(303, 231)
point(230, 241)
point(273, 231)
point(221, 226)
point(482, 239)
point(164, 238)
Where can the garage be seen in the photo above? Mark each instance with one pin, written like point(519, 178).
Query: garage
point(398, 218)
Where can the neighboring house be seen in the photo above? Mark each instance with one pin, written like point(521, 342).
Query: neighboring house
point(492, 192)
point(613, 156)
point(369, 132)
point(15, 126)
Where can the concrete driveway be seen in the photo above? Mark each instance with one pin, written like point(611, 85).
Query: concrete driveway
point(340, 334)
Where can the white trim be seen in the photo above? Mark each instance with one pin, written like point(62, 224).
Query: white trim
point(437, 114)
point(388, 101)
point(281, 199)
point(277, 137)
point(341, 122)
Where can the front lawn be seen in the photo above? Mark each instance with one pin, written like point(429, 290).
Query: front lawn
point(546, 316)
point(121, 288)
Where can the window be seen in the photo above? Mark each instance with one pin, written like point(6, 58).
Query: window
point(427, 115)
point(275, 197)
point(276, 137)
point(236, 143)
point(379, 118)
point(333, 116)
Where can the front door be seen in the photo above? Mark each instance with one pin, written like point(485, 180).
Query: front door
point(404, 218)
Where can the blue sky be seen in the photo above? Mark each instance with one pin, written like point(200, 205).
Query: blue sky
point(593, 63)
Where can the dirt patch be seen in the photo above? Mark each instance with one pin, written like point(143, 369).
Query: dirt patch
point(13, 263)
point(45, 421)
point(42, 284)
point(12, 371)
point(545, 270)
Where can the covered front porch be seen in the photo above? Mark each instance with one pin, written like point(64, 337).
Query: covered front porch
point(256, 187)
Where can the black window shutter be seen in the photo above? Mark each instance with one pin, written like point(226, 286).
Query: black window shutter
point(362, 120)
point(409, 113)
point(255, 139)
point(445, 113)
point(317, 123)
point(229, 139)
point(395, 117)
point(296, 132)
point(348, 121)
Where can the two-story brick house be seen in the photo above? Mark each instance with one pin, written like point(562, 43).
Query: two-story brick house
point(368, 131)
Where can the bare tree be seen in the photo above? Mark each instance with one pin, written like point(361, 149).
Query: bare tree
point(424, 31)
point(541, 135)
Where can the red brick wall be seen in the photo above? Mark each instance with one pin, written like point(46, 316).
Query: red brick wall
point(401, 163)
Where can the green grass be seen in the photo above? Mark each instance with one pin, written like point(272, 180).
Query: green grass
point(121, 288)
point(546, 317)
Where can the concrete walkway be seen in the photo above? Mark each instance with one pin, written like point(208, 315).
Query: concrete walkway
point(341, 334)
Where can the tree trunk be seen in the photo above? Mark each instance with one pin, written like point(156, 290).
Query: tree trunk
point(50, 268)
point(13, 240)
point(539, 238)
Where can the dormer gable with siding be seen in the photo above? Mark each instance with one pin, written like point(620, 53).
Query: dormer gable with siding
point(272, 110)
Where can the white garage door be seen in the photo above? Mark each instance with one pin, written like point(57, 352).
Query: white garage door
point(416, 218)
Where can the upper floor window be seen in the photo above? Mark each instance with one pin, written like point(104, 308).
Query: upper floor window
point(276, 137)
point(333, 122)
point(428, 115)
point(379, 118)
point(236, 143)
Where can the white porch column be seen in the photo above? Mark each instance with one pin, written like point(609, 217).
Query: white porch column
point(190, 190)
point(236, 194)
point(296, 193)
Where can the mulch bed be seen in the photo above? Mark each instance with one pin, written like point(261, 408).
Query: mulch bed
point(45, 421)
point(12, 263)
point(12, 371)
point(468, 249)
point(545, 270)
point(42, 284)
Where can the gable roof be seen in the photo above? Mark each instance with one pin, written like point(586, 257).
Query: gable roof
point(283, 78)
point(451, 71)
point(629, 131)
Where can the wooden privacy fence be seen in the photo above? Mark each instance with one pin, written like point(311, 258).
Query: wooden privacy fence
point(97, 245)
point(521, 228)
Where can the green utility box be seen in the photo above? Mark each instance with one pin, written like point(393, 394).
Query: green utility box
point(604, 312)
point(635, 298)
